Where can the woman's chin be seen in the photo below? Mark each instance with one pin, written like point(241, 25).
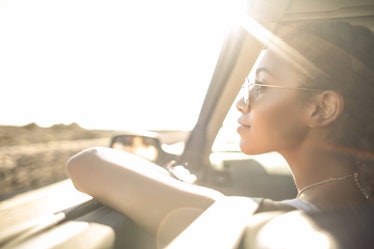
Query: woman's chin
point(249, 149)
point(245, 147)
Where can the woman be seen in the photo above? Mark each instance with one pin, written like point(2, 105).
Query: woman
point(317, 115)
point(319, 119)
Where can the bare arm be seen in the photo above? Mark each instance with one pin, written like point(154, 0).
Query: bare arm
point(140, 189)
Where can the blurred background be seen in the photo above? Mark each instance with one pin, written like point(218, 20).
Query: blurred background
point(74, 71)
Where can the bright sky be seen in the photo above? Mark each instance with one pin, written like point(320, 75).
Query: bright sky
point(108, 64)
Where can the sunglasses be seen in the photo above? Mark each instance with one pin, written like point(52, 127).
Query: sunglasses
point(251, 91)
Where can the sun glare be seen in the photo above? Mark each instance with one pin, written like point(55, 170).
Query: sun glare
point(109, 64)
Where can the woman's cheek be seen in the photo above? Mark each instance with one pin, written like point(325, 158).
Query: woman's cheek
point(254, 138)
point(269, 128)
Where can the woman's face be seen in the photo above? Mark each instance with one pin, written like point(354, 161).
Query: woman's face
point(273, 120)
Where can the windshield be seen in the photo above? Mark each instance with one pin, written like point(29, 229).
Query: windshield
point(109, 64)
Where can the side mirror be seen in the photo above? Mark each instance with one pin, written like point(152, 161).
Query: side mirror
point(144, 144)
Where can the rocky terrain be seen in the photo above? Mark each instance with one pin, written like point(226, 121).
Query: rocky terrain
point(33, 156)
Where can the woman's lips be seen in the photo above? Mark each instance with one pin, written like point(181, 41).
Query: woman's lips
point(243, 127)
point(241, 122)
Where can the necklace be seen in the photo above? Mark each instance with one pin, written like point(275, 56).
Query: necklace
point(331, 179)
point(360, 187)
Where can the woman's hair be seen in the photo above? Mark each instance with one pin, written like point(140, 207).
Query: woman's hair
point(344, 56)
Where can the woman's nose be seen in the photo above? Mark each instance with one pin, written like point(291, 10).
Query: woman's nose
point(241, 106)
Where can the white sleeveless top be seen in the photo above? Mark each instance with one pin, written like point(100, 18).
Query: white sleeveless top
point(301, 205)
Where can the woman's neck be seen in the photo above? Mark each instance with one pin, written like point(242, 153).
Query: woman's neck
point(311, 164)
point(324, 176)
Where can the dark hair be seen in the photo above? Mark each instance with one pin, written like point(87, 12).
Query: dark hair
point(344, 56)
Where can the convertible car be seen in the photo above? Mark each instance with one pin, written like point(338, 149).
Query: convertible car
point(58, 216)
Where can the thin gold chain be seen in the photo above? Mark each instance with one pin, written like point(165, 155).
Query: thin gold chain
point(331, 179)
point(362, 189)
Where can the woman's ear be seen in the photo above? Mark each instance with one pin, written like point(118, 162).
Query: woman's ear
point(325, 109)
